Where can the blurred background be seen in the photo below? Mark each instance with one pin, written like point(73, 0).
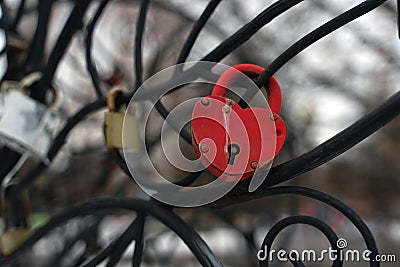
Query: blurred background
point(325, 89)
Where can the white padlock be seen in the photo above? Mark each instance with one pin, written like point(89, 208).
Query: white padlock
point(26, 125)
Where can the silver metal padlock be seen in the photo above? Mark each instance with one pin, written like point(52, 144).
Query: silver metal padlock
point(26, 125)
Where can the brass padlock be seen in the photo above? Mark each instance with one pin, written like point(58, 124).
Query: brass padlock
point(14, 215)
point(117, 124)
point(11, 240)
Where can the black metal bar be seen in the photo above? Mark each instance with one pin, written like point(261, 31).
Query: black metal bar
point(316, 35)
point(185, 181)
point(74, 22)
point(251, 28)
point(69, 244)
point(196, 29)
point(130, 234)
point(310, 39)
point(398, 17)
point(187, 47)
point(139, 241)
point(34, 60)
point(140, 28)
point(18, 16)
point(88, 41)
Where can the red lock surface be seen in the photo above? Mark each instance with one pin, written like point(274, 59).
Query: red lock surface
point(233, 142)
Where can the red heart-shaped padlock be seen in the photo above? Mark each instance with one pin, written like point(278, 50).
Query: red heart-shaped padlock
point(233, 142)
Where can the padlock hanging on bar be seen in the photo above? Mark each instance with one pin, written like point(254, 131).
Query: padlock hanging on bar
point(14, 215)
point(27, 125)
point(253, 137)
point(117, 124)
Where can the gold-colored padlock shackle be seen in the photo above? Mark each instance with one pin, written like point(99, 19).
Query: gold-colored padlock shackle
point(34, 77)
point(114, 92)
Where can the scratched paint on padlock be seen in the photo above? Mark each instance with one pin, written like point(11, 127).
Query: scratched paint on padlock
point(226, 109)
point(216, 118)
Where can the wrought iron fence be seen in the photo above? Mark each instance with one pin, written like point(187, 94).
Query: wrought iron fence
point(99, 208)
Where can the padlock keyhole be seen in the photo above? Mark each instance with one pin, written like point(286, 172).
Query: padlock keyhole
point(233, 151)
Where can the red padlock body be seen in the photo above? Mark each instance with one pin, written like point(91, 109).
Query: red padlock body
point(219, 122)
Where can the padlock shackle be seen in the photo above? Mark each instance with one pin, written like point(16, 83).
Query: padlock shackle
point(34, 77)
point(112, 95)
point(228, 77)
